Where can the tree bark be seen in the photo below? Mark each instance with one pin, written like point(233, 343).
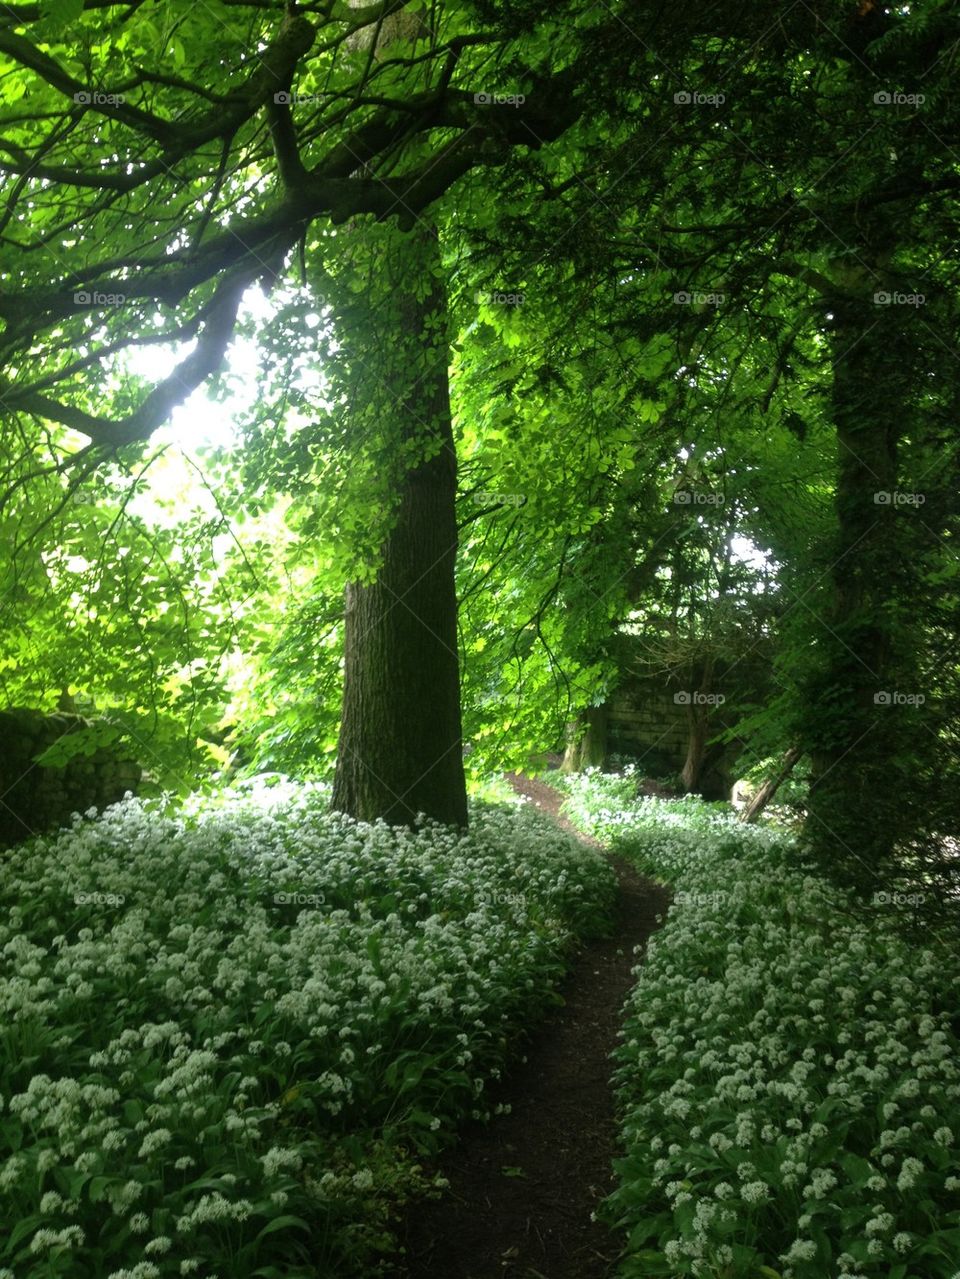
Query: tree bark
point(698, 717)
point(586, 741)
point(696, 747)
point(770, 787)
point(865, 640)
point(400, 745)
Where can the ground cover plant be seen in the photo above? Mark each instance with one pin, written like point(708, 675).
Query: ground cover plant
point(790, 1071)
point(228, 1030)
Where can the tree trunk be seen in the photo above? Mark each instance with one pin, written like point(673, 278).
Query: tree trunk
point(770, 787)
point(696, 746)
point(865, 639)
point(698, 719)
point(586, 741)
point(400, 746)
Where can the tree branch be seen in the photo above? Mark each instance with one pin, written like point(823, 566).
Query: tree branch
point(206, 358)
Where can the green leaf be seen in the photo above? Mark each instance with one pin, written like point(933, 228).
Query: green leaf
point(643, 1231)
point(97, 1189)
point(61, 13)
point(286, 1222)
point(20, 1231)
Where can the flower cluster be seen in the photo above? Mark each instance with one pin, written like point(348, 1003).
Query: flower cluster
point(789, 1075)
point(198, 1069)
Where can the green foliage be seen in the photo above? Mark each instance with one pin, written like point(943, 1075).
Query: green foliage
point(115, 612)
point(84, 742)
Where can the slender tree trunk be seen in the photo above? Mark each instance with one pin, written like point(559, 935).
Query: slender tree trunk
point(696, 747)
point(770, 787)
point(400, 747)
point(698, 719)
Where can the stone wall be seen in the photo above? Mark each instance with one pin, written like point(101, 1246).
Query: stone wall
point(36, 797)
point(646, 721)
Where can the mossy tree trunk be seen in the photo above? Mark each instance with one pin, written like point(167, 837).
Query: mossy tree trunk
point(586, 744)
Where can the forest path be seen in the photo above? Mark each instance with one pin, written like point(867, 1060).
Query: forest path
point(523, 1188)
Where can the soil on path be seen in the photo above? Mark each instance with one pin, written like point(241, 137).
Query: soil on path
point(523, 1188)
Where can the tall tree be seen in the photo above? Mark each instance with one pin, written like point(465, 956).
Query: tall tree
point(400, 749)
point(140, 203)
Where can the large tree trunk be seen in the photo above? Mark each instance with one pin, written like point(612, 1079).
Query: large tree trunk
point(864, 641)
point(400, 747)
point(586, 745)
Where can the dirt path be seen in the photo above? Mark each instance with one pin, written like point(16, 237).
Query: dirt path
point(522, 1190)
